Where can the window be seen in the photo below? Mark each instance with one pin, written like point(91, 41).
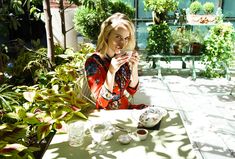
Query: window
point(143, 17)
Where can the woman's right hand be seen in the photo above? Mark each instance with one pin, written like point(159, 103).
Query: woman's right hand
point(117, 61)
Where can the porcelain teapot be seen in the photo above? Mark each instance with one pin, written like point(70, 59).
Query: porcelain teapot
point(151, 116)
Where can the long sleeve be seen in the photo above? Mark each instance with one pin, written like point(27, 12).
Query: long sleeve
point(96, 72)
point(96, 75)
point(131, 90)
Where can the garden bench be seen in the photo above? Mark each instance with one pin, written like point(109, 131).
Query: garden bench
point(183, 58)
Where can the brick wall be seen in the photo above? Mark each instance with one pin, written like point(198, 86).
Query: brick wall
point(55, 4)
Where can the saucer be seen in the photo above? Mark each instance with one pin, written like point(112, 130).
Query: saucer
point(124, 139)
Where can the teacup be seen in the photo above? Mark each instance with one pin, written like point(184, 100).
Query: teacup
point(127, 53)
point(142, 134)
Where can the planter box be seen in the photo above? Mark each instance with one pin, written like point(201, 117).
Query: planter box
point(43, 145)
point(201, 19)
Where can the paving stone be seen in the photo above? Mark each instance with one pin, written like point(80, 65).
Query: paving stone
point(206, 108)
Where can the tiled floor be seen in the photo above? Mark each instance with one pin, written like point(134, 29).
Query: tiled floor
point(206, 107)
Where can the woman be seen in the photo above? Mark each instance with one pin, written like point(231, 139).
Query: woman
point(110, 70)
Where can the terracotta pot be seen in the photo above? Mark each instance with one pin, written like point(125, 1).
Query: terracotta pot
point(196, 48)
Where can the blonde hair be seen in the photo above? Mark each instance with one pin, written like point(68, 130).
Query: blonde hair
point(111, 23)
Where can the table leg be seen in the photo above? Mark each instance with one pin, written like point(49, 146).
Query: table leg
point(159, 72)
point(227, 73)
point(231, 92)
point(183, 63)
point(194, 76)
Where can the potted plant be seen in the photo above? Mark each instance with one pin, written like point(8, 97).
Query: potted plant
point(160, 9)
point(158, 41)
point(30, 115)
point(208, 7)
point(181, 40)
point(193, 11)
point(39, 112)
point(196, 39)
point(219, 48)
point(22, 130)
point(180, 16)
point(195, 7)
point(25, 129)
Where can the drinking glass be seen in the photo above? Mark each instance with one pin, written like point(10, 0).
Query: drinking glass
point(76, 133)
point(99, 130)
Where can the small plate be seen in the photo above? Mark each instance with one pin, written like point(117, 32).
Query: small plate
point(124, 139)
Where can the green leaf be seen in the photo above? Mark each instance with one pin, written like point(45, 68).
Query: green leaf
point(20, 111)
point(13, 115)
point(10, 148)
point(14, 133)
point(31, 120)
point(43, 131)
point(29, 96)
point(3, 144)
point(3, 126)
point(79, 114)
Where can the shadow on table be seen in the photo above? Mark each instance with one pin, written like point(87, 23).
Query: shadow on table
point(171, 139)
point(212, 150)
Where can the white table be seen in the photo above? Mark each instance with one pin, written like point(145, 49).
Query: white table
point(170, 141)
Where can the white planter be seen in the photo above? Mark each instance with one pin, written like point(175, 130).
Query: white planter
point(201, 19)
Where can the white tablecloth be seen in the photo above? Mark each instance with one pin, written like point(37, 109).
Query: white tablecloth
point(169, 142)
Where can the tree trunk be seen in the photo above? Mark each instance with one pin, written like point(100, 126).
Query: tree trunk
point(158, 18)
point(49, 32)
point(62, 18)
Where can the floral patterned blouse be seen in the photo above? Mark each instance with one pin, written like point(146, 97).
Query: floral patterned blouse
point(96, 71)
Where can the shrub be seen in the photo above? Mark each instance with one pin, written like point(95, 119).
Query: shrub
point(159, 39)
point(160, 8)
point(195, 7)
point(219, 49)
point(208, 7)
point(88, 18)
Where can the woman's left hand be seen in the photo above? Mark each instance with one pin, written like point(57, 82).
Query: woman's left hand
point(134, 60)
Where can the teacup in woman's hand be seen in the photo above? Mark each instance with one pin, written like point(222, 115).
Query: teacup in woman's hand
point(127, 53)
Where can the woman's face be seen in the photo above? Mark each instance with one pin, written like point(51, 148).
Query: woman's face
point(118, 39)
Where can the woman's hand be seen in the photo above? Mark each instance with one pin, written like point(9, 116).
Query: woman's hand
point(134, 60)
point(117, 61)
